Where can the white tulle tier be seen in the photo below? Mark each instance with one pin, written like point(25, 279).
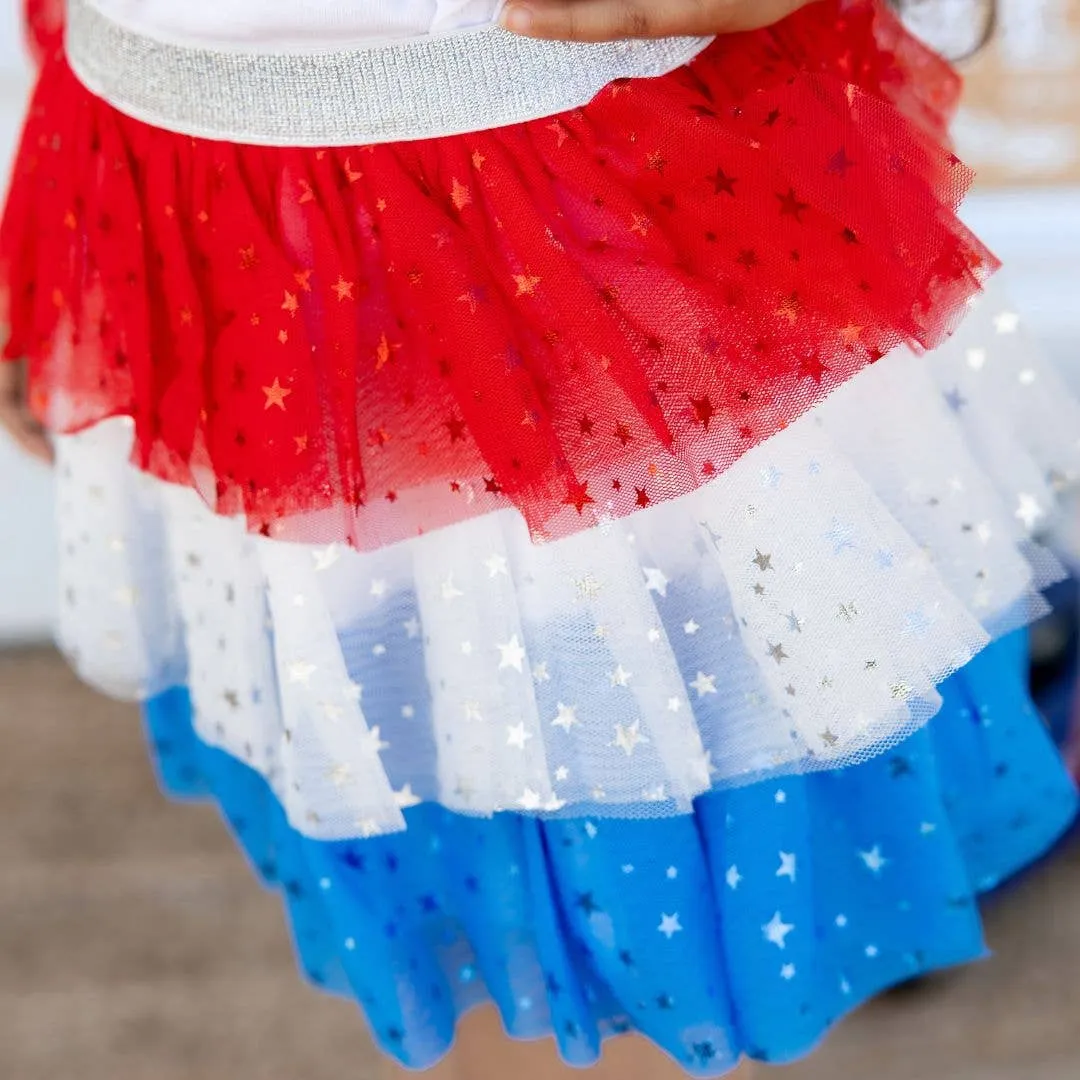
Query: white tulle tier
point(796, 614)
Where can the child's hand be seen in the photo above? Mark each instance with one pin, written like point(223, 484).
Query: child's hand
point(605, 20)
point(15, 416)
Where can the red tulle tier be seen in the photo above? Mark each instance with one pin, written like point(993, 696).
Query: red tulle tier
point(578, 316)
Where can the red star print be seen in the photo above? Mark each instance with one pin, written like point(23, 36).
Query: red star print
point(586, 425)
point(792, 206)
point(578, 495)
point(840, 163)
point(722, 183)
point(811, 367)
point(492, 485)
point(703, 410)
point(456, 427)
point(642, 497)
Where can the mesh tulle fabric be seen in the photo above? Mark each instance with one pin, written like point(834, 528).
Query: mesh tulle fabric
point(577, 317)
point(746, 928)
point(794, 615)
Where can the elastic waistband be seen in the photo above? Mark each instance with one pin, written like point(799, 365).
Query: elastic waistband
point(386, 92)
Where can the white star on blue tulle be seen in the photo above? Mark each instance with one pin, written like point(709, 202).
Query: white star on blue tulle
point(873, 859)
point(776, 931)
point(669, 925)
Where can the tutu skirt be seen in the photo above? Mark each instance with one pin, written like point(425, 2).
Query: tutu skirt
point(576, 317)
point(548, 544)
point(795, 615)
point(748, 927)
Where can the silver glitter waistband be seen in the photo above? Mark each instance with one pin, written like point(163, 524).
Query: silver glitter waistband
point(387, 92)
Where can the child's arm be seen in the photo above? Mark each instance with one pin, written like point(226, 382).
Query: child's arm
point(604, 20)
point(15, 416)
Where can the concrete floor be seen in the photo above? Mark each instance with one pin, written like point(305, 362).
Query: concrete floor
point(134, 944)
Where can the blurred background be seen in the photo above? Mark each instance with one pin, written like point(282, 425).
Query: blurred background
point(133, 941)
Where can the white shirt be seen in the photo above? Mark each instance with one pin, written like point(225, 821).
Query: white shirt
point(294, 25)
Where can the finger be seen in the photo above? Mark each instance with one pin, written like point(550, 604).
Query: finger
point(12, 379)
point(36, 444)
point(25, 431)
point(604, 20)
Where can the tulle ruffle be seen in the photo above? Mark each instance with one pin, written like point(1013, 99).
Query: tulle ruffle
point(795, 615)
point(576, 317)
point(746, 928)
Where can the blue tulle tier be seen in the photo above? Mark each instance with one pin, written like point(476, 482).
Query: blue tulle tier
point(746, 928)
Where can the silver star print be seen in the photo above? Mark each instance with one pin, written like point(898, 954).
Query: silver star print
point(373, 742)
point(300, 671)
point(340, 775)
point(517, 736)
point(704, 684)
point(496, 564)
point(512, 655)
point(530, 800)
point(777, 653)
point(588, 587)
point(954, 399)
point(628, 736)
point(324, 558)
point(406, 798)
point(655, 580)
point(566, 717)
point(1029, 511)
point(1006, 322)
